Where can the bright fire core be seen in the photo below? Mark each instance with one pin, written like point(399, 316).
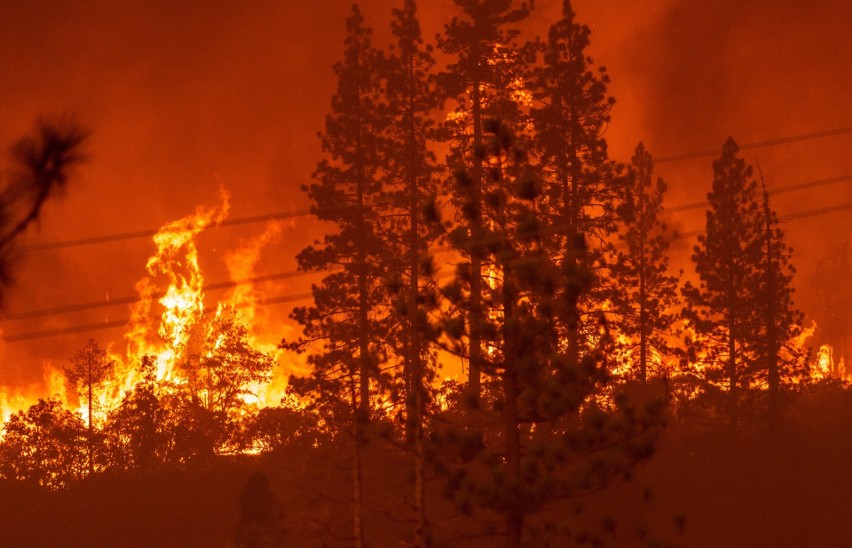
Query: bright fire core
point(170, 316)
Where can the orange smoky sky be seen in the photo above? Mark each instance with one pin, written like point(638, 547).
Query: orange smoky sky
point(184, 96)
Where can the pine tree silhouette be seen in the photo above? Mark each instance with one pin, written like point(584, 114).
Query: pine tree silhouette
point(570, 114)
point(88, 370)
point(745, 278)
point(645, 294)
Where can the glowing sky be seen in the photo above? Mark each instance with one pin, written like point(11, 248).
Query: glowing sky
point(184, 95)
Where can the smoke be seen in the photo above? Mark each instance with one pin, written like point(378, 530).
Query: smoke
point(753, 70)
point(181, 96)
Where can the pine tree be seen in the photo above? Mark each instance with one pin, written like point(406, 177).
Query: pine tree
point(410, 188)
point(480, 81)
point(782, 321)
point(515, 338)
point(534, 413)
point(347, 325)
point(646, 294)
point(741, 311)
point(721, 309)
point(88, 370)
point(43, 163)
point(570, 113)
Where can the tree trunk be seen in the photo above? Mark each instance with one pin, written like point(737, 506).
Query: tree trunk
point(91, 440)
point(731, 304)
point(363, 294)
point(361, 402)
point(421, 527)
point(771, 331)
point(732, 350)
point(358, 489)
point(411, 367)
point(732, 372)
point(514, 514)
point(414, 363)
point(643, 274)
point(475, 358)
point(357, 467)
point(363, 344)
point(570, 198)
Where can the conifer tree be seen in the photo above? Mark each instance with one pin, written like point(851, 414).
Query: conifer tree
point(782, 320)
point(43, 163)
point(515, 338)
point(410, 187)
point(347, 325)
point(721, 308)
point(480, 81)
point(88, 370)
point(646, 294)
point(521, 455)
point(741, 310)
point(571, 110)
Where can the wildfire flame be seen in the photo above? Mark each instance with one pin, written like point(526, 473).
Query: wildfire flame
point(171, 307)
point(175, 283)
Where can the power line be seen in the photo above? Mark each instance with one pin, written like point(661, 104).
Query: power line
point(147, 233)
point(32, 335)
point(85, 328)
point(816, 212)
point(783, 218)
point(775, 191)
point(305, 212)
point(131, 299)
point(756, 144)
point(150, 232)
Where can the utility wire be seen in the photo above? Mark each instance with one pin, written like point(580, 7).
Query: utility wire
point(85, 328)
point(130, 299)
point(783, 218)
point(32, 335)
point(777, 190)
point(147, 233)
point(152, 232)
point(303, 213)
point(756, 144)
point(815, 212)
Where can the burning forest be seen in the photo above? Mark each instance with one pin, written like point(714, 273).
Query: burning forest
point(479, 309)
